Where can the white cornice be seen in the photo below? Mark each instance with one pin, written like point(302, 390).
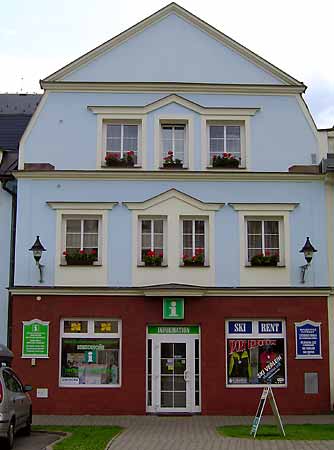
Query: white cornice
point(197, 88)
point(190, 18)
point(173, 99)
point(264, 206)
point(82, 205)
point(173, 193)
point(159, 175)
point(151, 291)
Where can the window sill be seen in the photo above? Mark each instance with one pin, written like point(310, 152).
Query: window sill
point(279, 266)
point(105, 167)
point(173, 168)
point(226, 168)
point(152, 267)
point(192, 266)
point(80, 265)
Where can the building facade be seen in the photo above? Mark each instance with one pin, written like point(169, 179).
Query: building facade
point(173, 188)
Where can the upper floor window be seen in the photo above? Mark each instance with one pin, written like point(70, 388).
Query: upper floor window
point(263, 242)
point(225, 149)
point(152, 238)
point(194, 242)
point(122, 144)
point(173, 145)
point(82, 236)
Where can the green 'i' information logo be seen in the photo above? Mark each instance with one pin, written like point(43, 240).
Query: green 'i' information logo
point(173, 308)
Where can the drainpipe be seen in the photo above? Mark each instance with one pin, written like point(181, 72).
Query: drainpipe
point(10, 185)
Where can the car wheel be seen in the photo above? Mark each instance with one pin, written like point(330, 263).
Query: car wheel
point(9, 441)
point(27, 429)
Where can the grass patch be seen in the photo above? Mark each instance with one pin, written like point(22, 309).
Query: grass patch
point(293, 432)
point(83, 437)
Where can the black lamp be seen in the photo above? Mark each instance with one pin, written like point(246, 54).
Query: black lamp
point(37, 250)
point(308, 251)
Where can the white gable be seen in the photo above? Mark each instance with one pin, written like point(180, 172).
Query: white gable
point(172, 50)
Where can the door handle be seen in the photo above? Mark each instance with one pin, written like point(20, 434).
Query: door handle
point(185, 375)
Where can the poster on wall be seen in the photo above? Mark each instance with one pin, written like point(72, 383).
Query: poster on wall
point(308, 340)
point(35, 339)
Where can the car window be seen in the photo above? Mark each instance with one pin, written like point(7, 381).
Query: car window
point(11, 382)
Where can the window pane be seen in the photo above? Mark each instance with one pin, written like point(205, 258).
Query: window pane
point(114, 145)
point(187, 241)
point(130, 131)
point(75, 326)
point(90, 361)
point(199, 226)
point(90, 240)
point(254, 227)
point(167, 133)
point(130, 145)
point(158, 226)
point(105, 326)
point(232, 131)
point(187, 252)
point(233, 146)
point(179, 132)
point(146, 226)
point(146, 241)
point(91, 226)
point(217, 131)
point(271, 241)
point(187, 226)
point(158, 241)
point(73, 226)
point(73, 240)
point(271, 227)
point(114, 131)
point(254, 241)
point(199, 241)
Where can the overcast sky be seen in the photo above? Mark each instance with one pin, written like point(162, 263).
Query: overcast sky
point(38, 37)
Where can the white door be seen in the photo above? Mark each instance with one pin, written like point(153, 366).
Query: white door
point(174, 383)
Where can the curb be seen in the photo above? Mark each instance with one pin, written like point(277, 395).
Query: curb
point(108, 447)
point(62, 435)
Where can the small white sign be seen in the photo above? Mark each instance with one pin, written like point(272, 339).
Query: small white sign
point(42, 393)
point(69, 380)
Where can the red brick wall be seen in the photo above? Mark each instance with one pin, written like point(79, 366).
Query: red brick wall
point(136, 312)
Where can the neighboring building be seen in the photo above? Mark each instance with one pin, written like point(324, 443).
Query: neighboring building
point(15, 113)
point(98, 184)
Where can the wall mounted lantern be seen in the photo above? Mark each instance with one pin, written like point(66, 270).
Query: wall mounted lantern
point(37, 250)
point(308, 251)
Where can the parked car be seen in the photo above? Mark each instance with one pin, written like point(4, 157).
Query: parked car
point(15, 407)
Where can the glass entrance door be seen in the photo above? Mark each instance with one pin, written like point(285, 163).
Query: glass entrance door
point(173, 373)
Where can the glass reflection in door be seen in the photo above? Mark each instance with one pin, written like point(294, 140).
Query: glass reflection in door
point(173, 365)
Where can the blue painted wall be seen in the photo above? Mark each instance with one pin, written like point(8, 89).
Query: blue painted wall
point(65, 134)
point(5, 223)
point(169, 51)
point(36, 217)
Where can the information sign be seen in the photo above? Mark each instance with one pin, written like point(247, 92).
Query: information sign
point(308, 340)
point(35, 343)
point(266, 393)
point(160, 329)
point(173, 308)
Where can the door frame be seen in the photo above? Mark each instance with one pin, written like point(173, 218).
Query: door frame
point(172, 337)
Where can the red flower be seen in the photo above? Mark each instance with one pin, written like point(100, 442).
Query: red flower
point(198, 251)
point(214, 157)
point(93, 252)
point(170, 152)
point(65, 253)
point(130, 153)
point(161, 255)
point(224, 155)
point(267, 253)
point(82, 252)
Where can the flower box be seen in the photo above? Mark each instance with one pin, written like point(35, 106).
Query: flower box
point(170, 163)
point(195, 260)
point(173, 166)
point(261, 260)
point(115, 160)
point(193, 263)
point(152, 259)
point(80, 257)
point(226, 161)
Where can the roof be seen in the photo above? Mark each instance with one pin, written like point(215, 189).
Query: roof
point(15, 113)
point(172, 8)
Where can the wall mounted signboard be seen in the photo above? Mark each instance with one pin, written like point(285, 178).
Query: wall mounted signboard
point(173, 308)
point(35, 342)
point(308, 340)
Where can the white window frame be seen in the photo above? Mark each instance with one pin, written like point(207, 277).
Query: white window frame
point(225, 124)
point(91, 334)
point(122, 122)
point(263, 219)
point(205, 219)
point(140, 262)
point(80, 217)
point(174, 124)
point(256, 335)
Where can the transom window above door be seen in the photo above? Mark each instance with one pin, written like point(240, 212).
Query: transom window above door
point(173, 145)
point(122, 142)
point(224, 142)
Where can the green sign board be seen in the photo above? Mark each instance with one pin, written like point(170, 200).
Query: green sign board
point(173, 308)
point(35, 339)
point(161, 329)
point(90, 356)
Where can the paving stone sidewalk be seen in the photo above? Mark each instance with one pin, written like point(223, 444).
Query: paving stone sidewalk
point(189, 433)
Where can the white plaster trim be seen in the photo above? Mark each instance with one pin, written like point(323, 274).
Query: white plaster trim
point(173, 98)
point(82, 207)
point(201, 291)
point(308, 117)
point(28, 129)
point(260, 208)
point(133, 175)
point(188, 121)
point(201, 88)
point(190, 18)
point(173, 193)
